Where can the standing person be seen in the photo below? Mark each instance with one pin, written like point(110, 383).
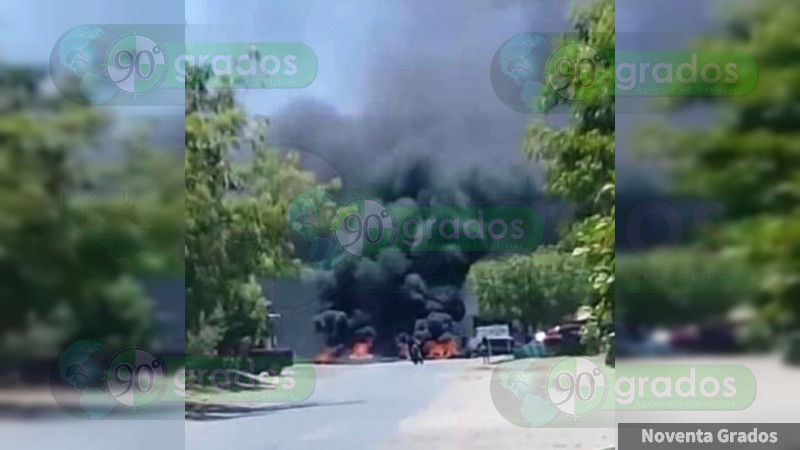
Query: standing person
point(485, 349)
point(415, 351)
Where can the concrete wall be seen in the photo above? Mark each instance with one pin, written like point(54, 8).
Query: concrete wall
point(297, 305)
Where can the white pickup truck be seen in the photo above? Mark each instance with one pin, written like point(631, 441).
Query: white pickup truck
point(499, 337)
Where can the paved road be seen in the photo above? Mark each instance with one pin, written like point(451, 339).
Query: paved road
point(443, 405)
point(352, 408)
point(157, 429)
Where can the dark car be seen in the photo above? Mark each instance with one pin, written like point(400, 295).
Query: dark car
point(710, 337)
point(564, 339)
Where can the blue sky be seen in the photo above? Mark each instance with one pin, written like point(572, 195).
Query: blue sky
point(356, 41)
point(29, 28)
point(351, 38)
point(339, 32)
point(344, 34)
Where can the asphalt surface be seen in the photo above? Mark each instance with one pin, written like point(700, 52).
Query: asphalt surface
point(442, 405)
point(154, 429)
point(352, 408)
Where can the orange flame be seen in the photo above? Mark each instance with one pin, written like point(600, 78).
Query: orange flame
point(440, 350)
point(402, 352)
point(326, 357)
point(361, 350)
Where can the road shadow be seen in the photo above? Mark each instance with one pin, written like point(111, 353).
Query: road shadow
point(226, 412)
point(30, 412)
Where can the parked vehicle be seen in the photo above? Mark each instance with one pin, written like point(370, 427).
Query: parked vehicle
point(564, 339)
point(498, 337)
point(629, 344)
point(709, 337)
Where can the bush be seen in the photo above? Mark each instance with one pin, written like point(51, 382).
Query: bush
point(208, 335)
point(758, 337)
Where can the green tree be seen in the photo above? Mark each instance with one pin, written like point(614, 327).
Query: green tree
point(537, 289)
point(683, 286)
point(749, 161)
point(579, 165)
point(238, 192)
point(59, 282)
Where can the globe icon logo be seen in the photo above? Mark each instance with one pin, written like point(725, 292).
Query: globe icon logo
point(307, 218)
point(79, 384)
point(78, 65)
point(518, 69)
point(577, 387)
point(305, 215)
point(518, 390)
point(364, 227)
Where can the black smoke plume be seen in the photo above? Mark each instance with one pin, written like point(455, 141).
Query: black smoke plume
point(401, 292)
point(429, 132)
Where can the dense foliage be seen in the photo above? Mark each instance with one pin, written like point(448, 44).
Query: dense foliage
point(579, 165)
point(538, 290)
point(663, 288)
point(750, 160)
point(77, 232)
point(238, 193)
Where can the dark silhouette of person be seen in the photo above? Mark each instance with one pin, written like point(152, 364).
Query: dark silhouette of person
point(416, 351)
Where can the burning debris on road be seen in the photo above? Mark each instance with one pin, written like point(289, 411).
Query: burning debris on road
point(428, 148)
point(377, 305)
